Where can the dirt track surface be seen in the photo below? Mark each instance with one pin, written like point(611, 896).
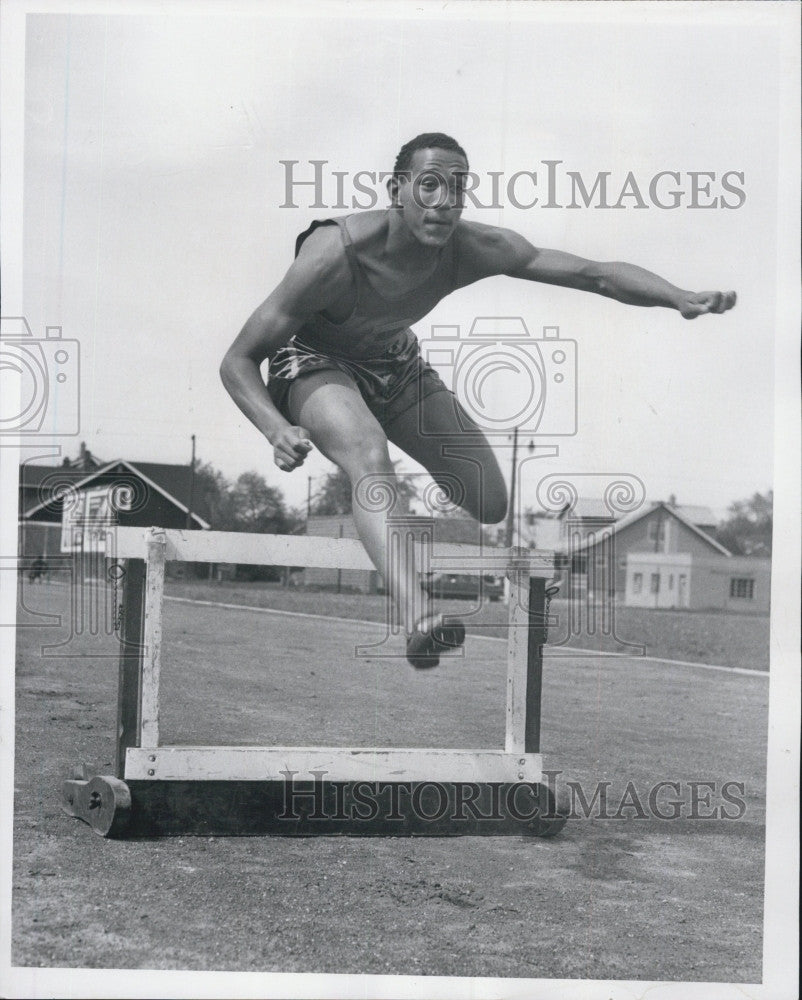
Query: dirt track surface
point(618, 898)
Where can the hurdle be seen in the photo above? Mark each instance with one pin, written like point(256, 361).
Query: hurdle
point(159, 790)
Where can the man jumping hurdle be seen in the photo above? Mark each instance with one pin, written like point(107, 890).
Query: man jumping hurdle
point(345, 372)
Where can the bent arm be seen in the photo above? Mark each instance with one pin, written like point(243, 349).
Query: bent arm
point(308, 287)
point(269, 327)
point(623, 282)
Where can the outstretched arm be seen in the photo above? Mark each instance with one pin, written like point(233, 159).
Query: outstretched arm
point(624, 282)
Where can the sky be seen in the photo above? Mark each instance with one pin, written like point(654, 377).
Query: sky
point(153, 224)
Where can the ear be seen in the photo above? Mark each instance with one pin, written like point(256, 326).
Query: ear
point(392, 188)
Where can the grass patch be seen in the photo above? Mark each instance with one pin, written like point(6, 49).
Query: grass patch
point(724, 638)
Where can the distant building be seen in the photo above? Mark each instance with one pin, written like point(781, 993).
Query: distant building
point(598, 556)
point(446, 529)
point(338, 526)
point(685, 580)
point(139, 494)
point(657, 557)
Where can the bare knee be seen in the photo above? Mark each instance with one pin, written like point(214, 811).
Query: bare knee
point(364, 457)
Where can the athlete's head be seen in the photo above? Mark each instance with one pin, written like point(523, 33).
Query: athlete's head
point(426, 186)
point(426, 140)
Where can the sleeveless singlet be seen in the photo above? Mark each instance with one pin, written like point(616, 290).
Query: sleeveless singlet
point(374, 345)
point(377, 320)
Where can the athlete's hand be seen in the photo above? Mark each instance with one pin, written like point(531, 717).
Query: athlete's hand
point(290, 447)
point(697, 303)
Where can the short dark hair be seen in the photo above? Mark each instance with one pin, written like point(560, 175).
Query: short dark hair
point(426, 140)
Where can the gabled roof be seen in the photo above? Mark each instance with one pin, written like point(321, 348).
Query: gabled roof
point(171, 481)
point(594, 508)
point(638, 515)
point(695, 514)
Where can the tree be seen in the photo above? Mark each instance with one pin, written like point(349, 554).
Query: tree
point(258, 507)
point(212, 497)
point(249, 505)
point(747, 531)
point(334, 496)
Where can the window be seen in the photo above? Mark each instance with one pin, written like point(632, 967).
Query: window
point(637, 583)
point(655, 589)
point(657, 531)
point(742, 587)
point(671, 582)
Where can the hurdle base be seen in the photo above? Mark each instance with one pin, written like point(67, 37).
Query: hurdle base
point(312, 809)
point(102, 801)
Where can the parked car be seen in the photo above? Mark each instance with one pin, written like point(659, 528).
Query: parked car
point(465, 586)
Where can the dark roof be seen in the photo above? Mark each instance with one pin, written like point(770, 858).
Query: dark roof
point(33, 475)
point(173, 480)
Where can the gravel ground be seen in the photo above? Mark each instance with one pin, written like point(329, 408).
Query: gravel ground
point(609, 898)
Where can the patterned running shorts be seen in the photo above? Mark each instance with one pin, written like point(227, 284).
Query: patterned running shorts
point(390, 385)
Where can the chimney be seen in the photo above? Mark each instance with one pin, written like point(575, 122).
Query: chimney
point(672, 500)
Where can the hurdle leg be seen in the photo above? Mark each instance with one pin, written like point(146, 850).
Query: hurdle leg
point(132, 613)
point(104, 801)
point(152, 637)
point(527, 637)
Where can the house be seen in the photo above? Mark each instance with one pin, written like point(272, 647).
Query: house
point(657, 557)
point(54, 500)
point(600, 556)
point(684, 580)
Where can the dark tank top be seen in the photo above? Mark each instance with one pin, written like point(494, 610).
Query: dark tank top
point(379, 323)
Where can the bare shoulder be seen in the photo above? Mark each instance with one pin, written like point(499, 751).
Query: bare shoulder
point(322, 248)
point(487, 250)
point(320, 271)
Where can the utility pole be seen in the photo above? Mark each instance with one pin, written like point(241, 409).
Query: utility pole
point(308, 496)
point(511, 509)
point(191, 486)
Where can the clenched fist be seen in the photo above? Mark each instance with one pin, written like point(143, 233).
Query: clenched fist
point(290, 447)
point(698, 303)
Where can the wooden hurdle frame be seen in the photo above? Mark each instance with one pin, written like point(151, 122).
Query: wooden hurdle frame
point(239, 790)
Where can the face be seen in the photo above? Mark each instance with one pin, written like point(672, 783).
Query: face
point(431, 200)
